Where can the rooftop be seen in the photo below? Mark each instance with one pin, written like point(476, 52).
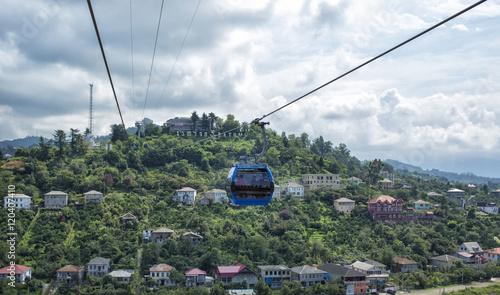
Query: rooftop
point(18, 269)
point(70, 268)
point(161, 267)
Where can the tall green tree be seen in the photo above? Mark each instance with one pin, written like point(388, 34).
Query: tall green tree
point(60, 140)
point(194, 118)
point(118, 133)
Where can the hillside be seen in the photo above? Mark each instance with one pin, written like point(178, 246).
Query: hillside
point(450, 176)
point(289, 231)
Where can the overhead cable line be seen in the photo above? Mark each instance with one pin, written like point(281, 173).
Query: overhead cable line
point(346, 73)
point(105, 61)
point(132, 55)
point(153, 59)
point(373, 59)
point(178, 54)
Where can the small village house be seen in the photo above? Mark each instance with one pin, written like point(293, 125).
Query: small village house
point(344, 205)
point(355, 281)
point(274, 275)
point(56, 199)
point(17, 201)
point(162, 234)
point(308, 275)
point(98, 267)
point(185, 195)
point(161, 274)
point(21, 272)
point(195, 277)
point(93, 196)
point(237, 274)
point(404, 265)
point(218, 195)
point(122, 275)
point(73, 275)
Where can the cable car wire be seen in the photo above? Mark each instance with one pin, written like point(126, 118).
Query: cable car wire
point(178, 54)
point(105, 60)
point(344, 74)
point(153, 59)
point(375, 58)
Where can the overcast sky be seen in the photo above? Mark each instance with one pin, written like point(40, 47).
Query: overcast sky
point(432, 103)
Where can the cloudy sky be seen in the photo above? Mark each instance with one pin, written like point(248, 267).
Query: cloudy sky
point(432, 103)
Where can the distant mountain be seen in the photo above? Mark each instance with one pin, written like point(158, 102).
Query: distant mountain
point(451, 176)
point(10, 146)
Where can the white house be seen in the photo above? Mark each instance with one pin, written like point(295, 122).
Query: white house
point(456, 195)
point(294, 189)
point(161, 274)
point(218, 195)
point(185, 195)
point(21, 272)
point(319, 180)
point(93, 196)
point(488, 207)
point(56, 199)
point(18, 201)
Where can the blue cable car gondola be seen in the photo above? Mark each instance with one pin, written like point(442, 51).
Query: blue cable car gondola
point(251, 183)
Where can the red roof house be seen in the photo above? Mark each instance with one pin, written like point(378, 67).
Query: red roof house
point(195, 277)
point(236, 273)
point(20, 272)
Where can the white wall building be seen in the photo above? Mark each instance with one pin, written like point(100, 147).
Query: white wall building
point(56, 199)
point(319, 180)
point(18, 201)
point(218, 195)
point(294, 189)
point(185, 195)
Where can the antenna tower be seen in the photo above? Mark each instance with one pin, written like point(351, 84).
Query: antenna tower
point(91, 115)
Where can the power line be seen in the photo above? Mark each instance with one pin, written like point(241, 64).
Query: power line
point(348, 72)
point(105, 61)
point(178, 54)
point(375, 58)
point(153, 59)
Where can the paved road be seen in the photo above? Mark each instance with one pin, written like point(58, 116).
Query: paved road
point(452, 288)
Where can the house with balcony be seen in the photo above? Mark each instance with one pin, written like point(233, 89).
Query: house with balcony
point(403, 265)
point(185, 195)
point(386, 183)
point(355, 281)
point(161, 274)
point(495, 193)
point(122, 275)
point(488, 207)
point(56, 199)
point(98, 267)
point(294, 189)
point(73, 275)
point(308, 275)
point(93, 196)
point(421, 205)
point(236, 273)
point(17, 201)
point(457, 196)
point(161, 235)
point(274, 275)
point(217, 195)
point(344, 205)
point(386, 208)
point(471, 254)
point(375, 274)
point(195, 277)
point(21, 273)
point(314, 181)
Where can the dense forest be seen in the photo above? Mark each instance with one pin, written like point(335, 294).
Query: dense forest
point(140, 176)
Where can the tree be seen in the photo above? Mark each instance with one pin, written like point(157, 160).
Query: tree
point(194, 118)
point(213, 119)
point(230, 124)
point(373, 173)
point(320, 147)
point(261, 288)
point(73, 133)
point(118, 133)
point(205, 122)
point(60, 140)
